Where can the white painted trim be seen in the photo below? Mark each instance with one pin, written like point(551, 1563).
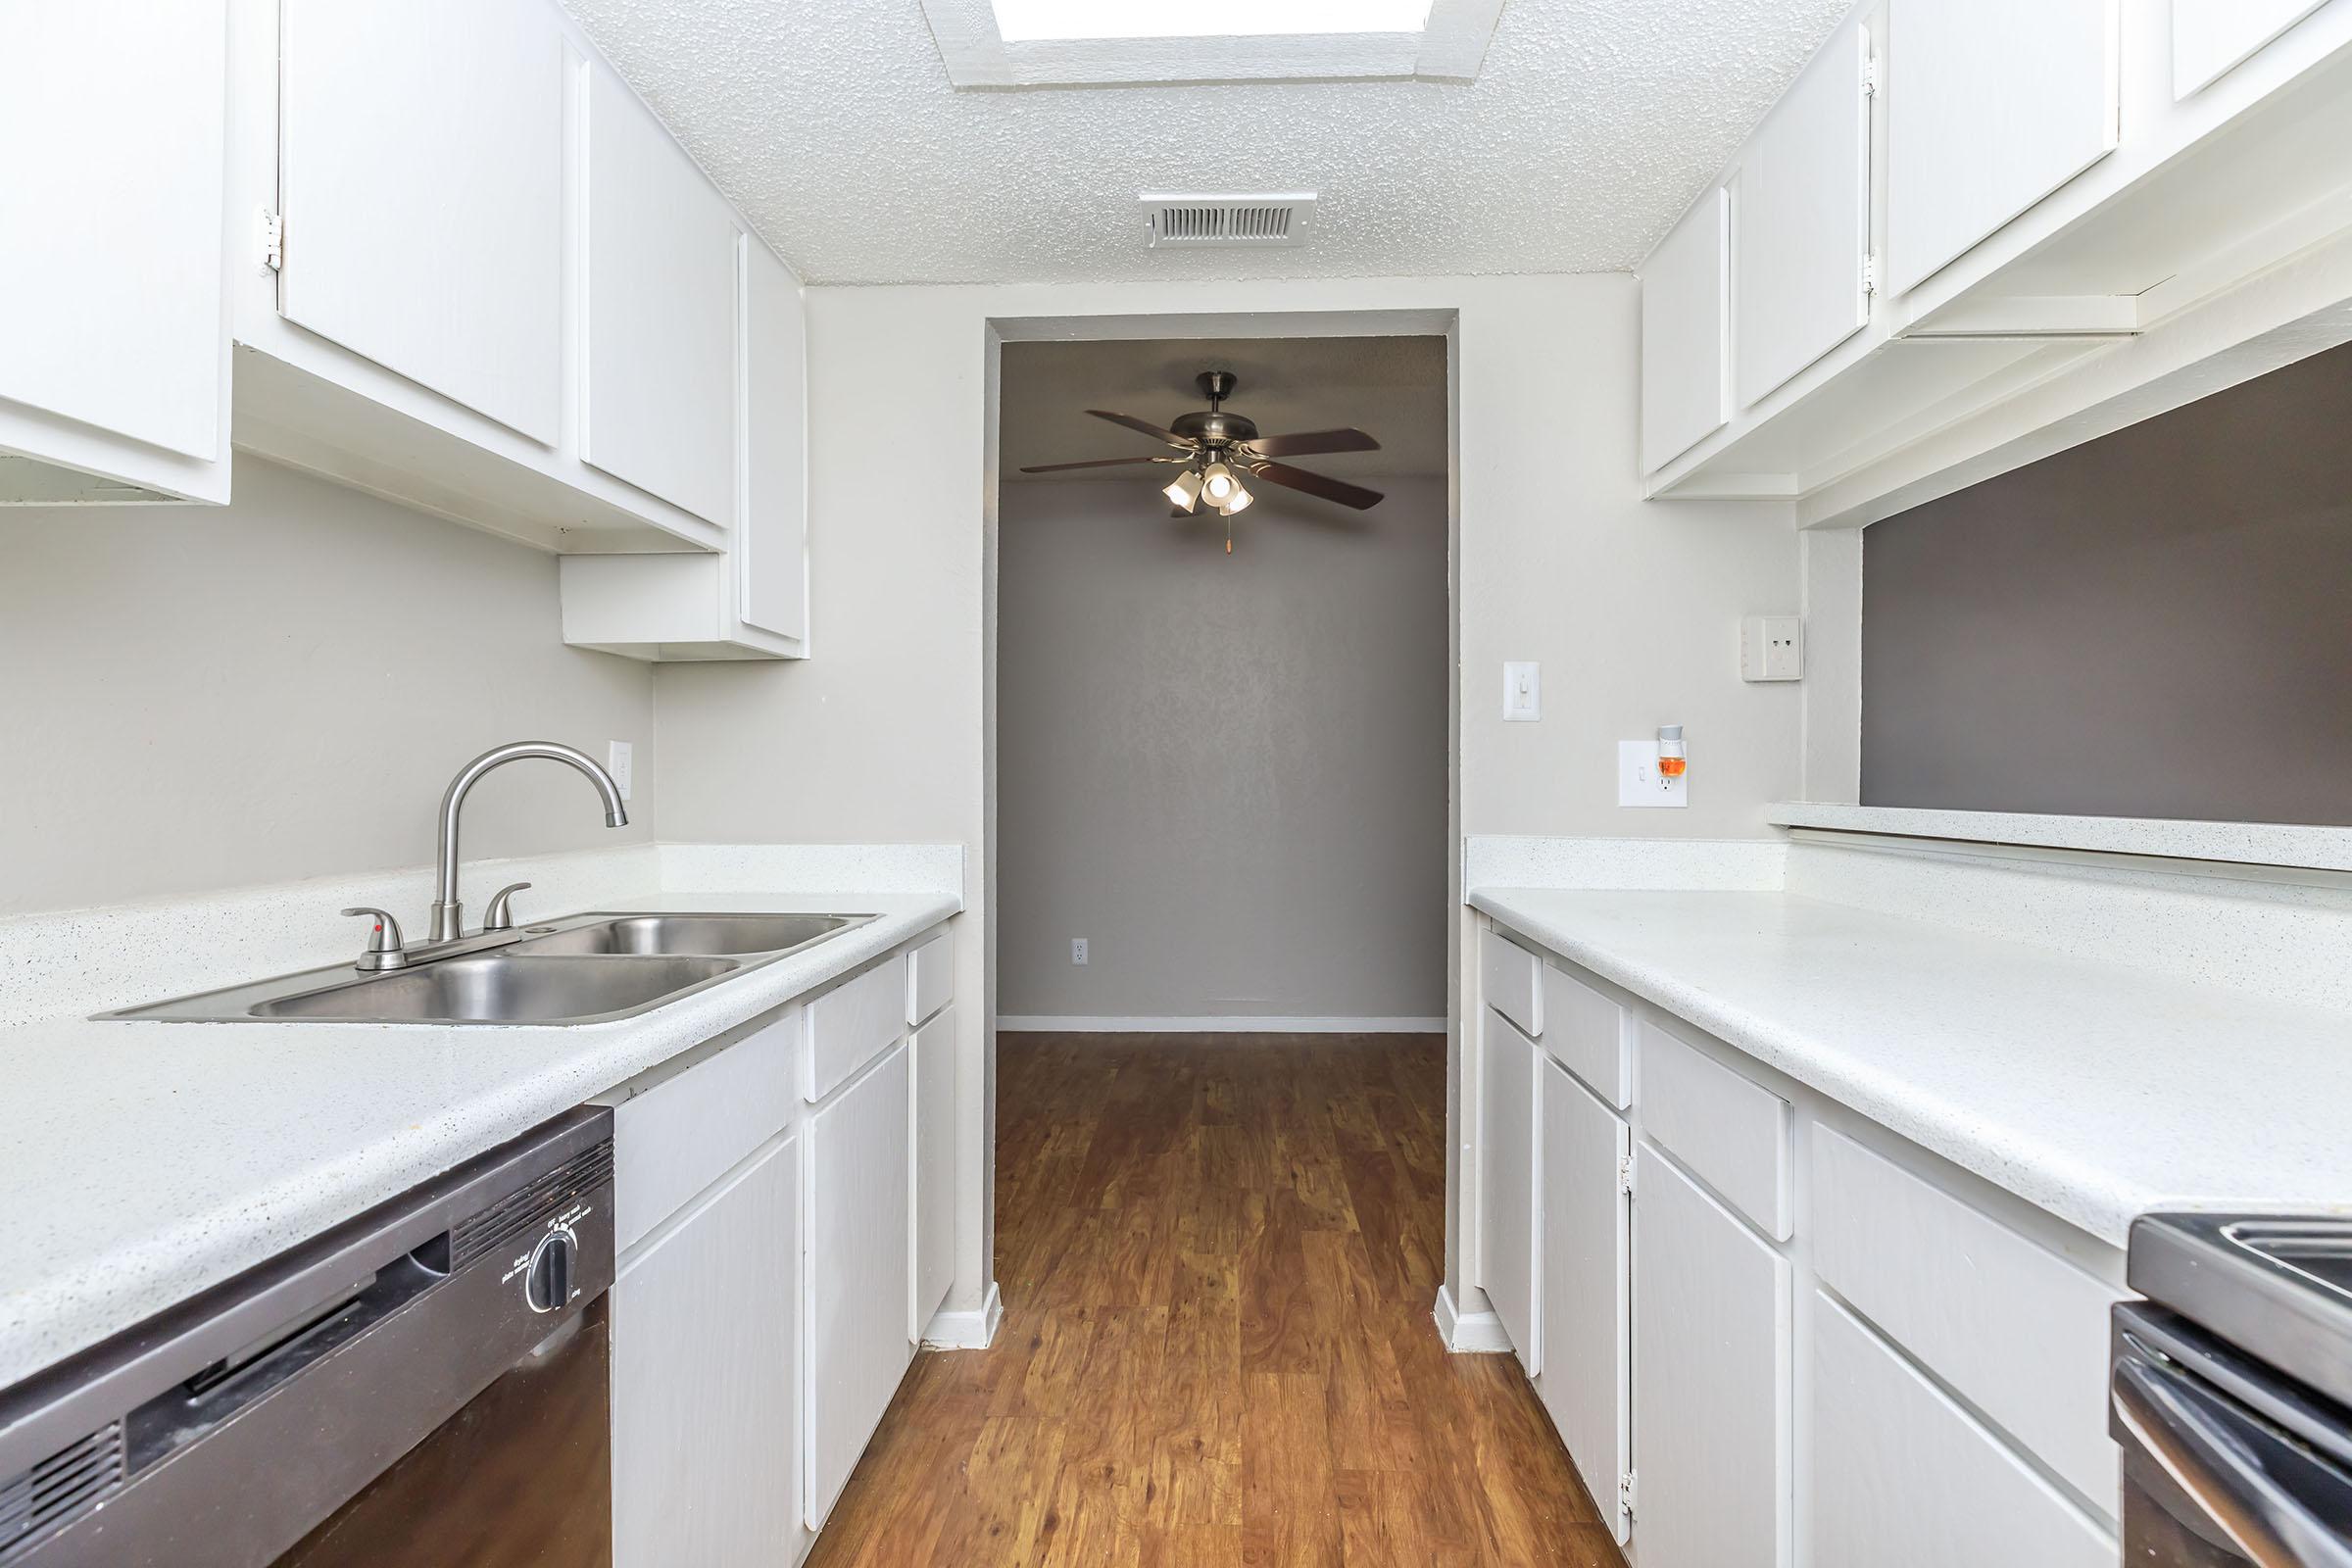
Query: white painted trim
point(1038, 1023)
point(1469, 1333)
point(967, 1331)
point(1451, 47)
point(2321, 849)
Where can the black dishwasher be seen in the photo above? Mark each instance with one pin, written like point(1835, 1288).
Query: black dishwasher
point(425, 1385)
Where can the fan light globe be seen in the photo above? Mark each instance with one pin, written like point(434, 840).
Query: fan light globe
point(1241, 501)
point(1184, 489)
point(1218, 484)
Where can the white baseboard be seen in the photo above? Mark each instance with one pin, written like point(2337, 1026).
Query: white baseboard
point(1218, 1025)
point(1469, 1333)
point(967, 1331)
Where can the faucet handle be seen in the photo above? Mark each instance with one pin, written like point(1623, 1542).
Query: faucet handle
point(499, 917)
point(384, 947)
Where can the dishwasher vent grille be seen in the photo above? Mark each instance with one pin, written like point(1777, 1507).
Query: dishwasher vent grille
point(58, 1489)
point(521, 1211)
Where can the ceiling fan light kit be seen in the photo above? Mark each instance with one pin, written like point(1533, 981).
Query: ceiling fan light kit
point(1218, 448)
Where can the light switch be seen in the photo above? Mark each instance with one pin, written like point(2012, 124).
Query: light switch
point(1772, 648)
point(1522, 692)
point(1638, 781)
point(620, 758)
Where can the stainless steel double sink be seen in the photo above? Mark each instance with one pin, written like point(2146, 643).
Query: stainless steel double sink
point(585, 968)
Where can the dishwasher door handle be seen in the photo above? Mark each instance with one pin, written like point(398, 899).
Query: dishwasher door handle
point(2282, 1507)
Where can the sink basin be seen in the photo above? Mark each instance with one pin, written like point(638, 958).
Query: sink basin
point(723, 933)
point(501, 988)
point(581, 968)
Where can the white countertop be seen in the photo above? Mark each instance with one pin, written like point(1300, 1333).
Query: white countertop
point(2092, 1090)
point(142, 1162)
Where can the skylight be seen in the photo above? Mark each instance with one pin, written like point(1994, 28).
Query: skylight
point(1035, 20)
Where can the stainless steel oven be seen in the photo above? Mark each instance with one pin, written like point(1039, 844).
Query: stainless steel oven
point(2231, 1392)
point(425, 1385)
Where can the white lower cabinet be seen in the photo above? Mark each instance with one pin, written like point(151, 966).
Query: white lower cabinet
point(1586, 1286)
point(705, 1380)
point(1507, 1178)
point(1899, 1473)
point(1711, 1380)
point(934, 1170)
point(859, 1208)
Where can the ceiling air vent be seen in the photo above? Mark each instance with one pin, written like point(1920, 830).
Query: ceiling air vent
point(1229, 222)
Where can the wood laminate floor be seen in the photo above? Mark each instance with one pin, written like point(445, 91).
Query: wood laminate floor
point(1218, 1256)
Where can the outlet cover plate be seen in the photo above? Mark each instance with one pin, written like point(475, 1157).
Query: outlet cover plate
point(1638, 782)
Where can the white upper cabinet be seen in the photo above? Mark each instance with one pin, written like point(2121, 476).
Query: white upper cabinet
point(2210, 36)
point(662, 254)
point(1684, 284)
point(1800, 213)
point(1991, 105)
point(113, 339)
point(422, 160)
point(771, 543)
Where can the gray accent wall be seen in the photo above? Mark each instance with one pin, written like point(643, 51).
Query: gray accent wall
point(2155, 623)
point(1227, 772)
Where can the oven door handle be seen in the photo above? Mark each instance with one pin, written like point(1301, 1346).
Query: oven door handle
point(2282, 1506)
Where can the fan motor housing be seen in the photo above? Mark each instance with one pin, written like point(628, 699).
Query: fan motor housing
point(1216, 428)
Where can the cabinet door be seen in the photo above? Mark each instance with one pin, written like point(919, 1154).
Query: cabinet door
point(1800, 213)
point(1507, 1175)
point(1683, 321)
point(114, 121)
point(858, 1211)
point(705, 1392)
point(422, 157)
point(771, 544)
point(1586, 1284)
point(1711, 1380)
point(661, 255)
point(1991, 105)
point(2211, 36)
point(1899, 1473)
point(934, 1170)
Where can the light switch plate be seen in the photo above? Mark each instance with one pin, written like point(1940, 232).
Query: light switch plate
point(621, 759)
point(1772, 648)
point(1638, 779)
point(1522, 691)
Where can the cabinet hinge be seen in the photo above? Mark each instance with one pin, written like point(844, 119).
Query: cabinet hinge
point(273, 240)
point(1870, 272)
point(1625, 1494)
point(1625, 1174)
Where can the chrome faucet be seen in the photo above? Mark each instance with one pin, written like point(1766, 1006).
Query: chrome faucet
point(449, 914)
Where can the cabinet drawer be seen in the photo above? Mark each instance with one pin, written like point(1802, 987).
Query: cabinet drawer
point(2015, 1329)
point(1731, 1133)
point(1900, 1474)
point(930, 977)
point(1586, 1031)
point(1507, 979)
point(693, 1127)
point(852, 1024)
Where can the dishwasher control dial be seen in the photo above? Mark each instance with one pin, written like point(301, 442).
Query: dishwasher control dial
point(547, 1282)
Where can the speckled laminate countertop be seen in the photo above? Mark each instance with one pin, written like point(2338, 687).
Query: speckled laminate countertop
point(142, 1162)
point(2095, 1090)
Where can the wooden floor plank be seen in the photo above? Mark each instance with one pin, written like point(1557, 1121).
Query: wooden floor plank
point(1218, 1255)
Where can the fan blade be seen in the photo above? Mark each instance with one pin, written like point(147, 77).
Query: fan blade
point(1091, 463)
point(1144, 427)
point(1309, 442)
point(1317, 485)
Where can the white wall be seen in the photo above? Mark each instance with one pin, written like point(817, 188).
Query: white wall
point(1632, 607)
point(1226, 771)
point(202, 698)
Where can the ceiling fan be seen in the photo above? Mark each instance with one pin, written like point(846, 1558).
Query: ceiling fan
point(1218, 449)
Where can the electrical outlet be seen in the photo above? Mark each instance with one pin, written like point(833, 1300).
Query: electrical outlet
point(1772, 648)
point(620, 758)
point(1638, 781)
point(1078, 949)
point(1522, 691)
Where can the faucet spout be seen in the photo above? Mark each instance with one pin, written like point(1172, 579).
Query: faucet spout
point(449, 922)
